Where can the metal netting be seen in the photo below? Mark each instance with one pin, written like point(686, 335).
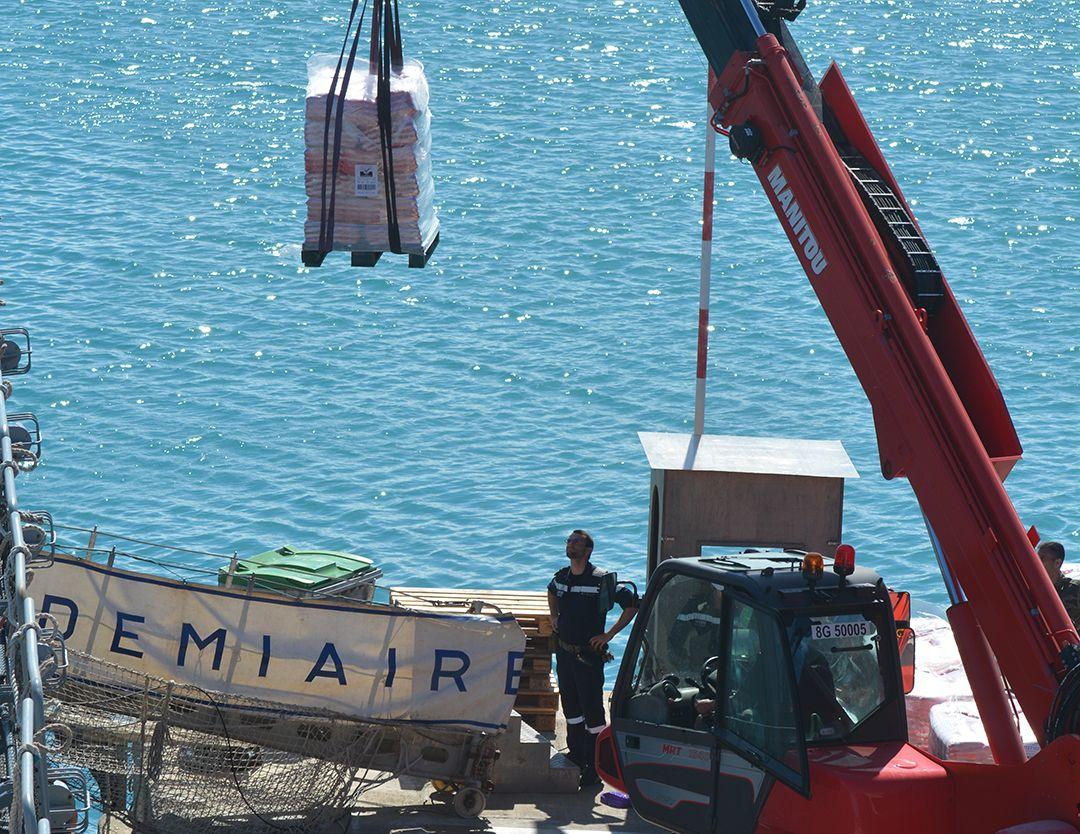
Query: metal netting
point(174, 757)
point(169, 757)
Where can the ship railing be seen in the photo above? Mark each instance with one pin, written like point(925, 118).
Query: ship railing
point(34, 658)
point(124, 552)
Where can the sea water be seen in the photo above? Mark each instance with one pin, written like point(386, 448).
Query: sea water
point(197, 386)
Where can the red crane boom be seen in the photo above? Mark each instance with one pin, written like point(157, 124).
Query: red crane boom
point(940, 418)
point(753, 744)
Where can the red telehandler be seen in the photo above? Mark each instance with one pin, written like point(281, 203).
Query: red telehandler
point(763, 692)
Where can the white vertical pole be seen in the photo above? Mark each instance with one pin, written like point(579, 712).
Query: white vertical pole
point(706, 266)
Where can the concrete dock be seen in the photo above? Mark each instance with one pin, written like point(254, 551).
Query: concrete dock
point(401, 808)
point(397, 808)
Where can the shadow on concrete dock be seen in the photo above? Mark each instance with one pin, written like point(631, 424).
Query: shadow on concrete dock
point(401, 808)
point(396, 808)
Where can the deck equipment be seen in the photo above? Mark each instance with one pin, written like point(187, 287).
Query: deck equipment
point(304, 572)
point(272, 692)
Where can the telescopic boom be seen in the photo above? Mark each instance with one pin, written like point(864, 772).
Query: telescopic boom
point(940, 418)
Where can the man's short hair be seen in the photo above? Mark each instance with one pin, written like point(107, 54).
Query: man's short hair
point(1053, 550)
point(584, 535)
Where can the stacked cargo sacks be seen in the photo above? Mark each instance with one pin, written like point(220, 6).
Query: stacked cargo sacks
point(350, 211)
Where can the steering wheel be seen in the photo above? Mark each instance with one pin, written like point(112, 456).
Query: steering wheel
point(709, 673)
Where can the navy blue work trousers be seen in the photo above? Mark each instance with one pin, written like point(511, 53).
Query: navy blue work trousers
point(581, 689)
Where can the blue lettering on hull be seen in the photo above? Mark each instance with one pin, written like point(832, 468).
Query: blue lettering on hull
point(449, 664)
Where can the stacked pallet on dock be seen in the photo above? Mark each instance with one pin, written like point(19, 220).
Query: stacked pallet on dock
point(537, 699)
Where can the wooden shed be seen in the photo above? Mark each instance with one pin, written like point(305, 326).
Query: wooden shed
point(726, 491)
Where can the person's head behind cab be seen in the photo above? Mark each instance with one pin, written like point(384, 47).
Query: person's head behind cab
point(1052, 555)
point(579, 545)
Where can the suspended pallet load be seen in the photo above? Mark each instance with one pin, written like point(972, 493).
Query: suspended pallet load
point(367, 157)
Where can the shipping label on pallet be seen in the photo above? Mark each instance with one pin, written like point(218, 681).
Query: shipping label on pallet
point(367, 180)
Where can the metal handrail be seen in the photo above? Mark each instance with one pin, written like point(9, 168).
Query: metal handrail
point(22, 628)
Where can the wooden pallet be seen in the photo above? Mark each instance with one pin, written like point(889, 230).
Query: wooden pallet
point(537, 699)
point(315, 257)
point(530, 608)
point(536, 663)
point(535, 681)
point(547, 701)
point(542, 722)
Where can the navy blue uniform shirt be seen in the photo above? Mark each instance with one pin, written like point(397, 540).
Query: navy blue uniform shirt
point(581, 615)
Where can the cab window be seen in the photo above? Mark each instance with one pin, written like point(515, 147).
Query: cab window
point(758, 706)
point(839, 672)
point(683, 634)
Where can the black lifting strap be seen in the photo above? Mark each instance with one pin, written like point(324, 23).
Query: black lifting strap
point(326, 215)
point(386, 58)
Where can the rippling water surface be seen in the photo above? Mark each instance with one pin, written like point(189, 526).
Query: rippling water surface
point(198, 386)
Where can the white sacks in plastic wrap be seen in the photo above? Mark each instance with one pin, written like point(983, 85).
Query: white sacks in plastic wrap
point(360, 215)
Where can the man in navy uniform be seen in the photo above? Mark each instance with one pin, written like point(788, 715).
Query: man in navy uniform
point(695, 636)
point(579, 597)
point(1052, 555)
